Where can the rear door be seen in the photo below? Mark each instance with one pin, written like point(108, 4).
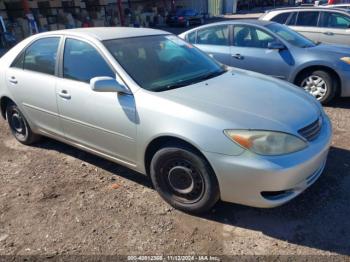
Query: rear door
point(250, 51)
point(306, 23)
point(335, 28)
point(214, 40)
point(32, 80)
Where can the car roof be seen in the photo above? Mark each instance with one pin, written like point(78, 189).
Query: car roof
point(243, 21)
point(311, 8)
point(107, 33)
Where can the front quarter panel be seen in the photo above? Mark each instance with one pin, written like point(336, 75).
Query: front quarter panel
point(160, 117)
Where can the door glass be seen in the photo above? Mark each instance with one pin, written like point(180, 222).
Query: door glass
point(335, 20)
point(82, 62)
point(307, 18)
point(41, 55)
point(248, 36)
point(292, 19)
point(191, 37)
point(281, 18)
point(215, 35)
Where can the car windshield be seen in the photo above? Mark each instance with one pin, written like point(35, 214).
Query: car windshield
point(290, 36)
point(163, 62)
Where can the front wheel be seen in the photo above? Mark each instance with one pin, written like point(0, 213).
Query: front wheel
point(319, 84)
point(19, 125)
point(184, 179)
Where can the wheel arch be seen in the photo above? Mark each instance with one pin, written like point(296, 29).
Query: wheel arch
point(323, 68)
point(4, 101)
point(163, 141)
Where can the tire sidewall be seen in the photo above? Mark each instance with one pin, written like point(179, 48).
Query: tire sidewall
point(30, 137)
point(331, 84)
point(211, 188)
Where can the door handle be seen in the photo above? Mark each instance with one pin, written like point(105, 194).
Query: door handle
point(238, 56)
point(13, 80)
point(328, 33)
point(64, 94)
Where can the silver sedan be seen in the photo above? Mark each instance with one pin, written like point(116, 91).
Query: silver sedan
point(154, 103)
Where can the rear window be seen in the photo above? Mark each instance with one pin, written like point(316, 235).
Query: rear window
point(281, 18)
point(307, 18)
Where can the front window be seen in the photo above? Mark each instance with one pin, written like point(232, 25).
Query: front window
point(82, 62)
point(163, 62)
point(249, 36)
point(290, 36)
point(335, 20)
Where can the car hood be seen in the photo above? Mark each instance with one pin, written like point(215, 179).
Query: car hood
point(247, 100)
point(333, 49)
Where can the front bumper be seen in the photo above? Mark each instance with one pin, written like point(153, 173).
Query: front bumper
point(261, 181)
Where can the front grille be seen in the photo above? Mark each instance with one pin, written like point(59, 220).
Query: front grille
point(311, 131)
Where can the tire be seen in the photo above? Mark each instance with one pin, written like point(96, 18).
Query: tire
point(308, 79)
point(184, 179)
point(19, 125)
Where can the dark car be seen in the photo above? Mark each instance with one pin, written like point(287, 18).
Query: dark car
point(184, 17)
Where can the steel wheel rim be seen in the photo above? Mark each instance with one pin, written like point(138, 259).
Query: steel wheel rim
point(17, 124)
point(182, 181)
point(316, 86)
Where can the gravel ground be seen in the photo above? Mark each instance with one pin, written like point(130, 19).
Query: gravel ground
point(55, 199)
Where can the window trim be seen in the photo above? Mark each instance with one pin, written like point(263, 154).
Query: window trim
point(195, 38)
point(61, 59)
point(255, 27)
point(290, 18)
point(24, 51)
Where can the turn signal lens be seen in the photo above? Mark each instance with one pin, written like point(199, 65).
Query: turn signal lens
point(345, 59)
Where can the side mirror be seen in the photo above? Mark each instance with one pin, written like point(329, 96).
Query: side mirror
point(107, 84)
point(276, 45)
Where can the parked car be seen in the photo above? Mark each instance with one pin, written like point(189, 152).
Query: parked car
point(184, 17)
point(326, 25)
point(341, 6)
point(150, 101)
point(276, 50)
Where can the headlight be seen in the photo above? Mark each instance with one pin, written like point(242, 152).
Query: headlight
point(345, 59)
point(268, 143)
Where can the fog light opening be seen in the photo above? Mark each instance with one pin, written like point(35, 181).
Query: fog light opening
point(276, 195)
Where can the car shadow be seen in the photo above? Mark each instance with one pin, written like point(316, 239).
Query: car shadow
point(340, 102)
point(113, 168)
point(318, 218)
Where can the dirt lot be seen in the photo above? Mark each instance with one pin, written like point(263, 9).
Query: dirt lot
point(55, 199)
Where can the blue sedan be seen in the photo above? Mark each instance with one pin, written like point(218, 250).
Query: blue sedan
point(274, 49)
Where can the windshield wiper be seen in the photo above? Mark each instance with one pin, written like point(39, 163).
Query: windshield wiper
point(211, 75)
point(192, 81)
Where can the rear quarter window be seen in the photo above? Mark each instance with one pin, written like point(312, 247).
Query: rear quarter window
point(281, 18)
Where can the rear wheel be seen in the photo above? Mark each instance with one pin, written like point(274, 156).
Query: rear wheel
point(184, 179)
point(19, 125)
point(319, 84)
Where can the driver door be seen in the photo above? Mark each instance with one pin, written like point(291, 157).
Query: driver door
point(103, 122)
point(250, 51)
